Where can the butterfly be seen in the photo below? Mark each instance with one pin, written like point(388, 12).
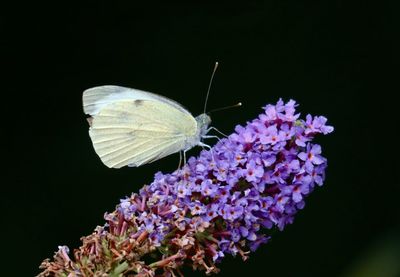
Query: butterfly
point(130, 127)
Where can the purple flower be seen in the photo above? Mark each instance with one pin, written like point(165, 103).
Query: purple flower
point(223, 194)
point(243, 135)
point(230, 212)
point(300, 138)
point(270, 114)
point(211, 212)
point(288, 131)
point(182, 190)
point(253, 172)
point(268, 158)
point(317, 125)
point(311, 156)
point(317, 174)
point(220, 203)
point(197, 208)
point(271, 135)
point(260, 240)
point(297, 191)
point(222, 170)
point(208, 189)
point(290, 112)
point(280, 202)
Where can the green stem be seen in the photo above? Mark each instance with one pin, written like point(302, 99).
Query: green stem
point(119, 269)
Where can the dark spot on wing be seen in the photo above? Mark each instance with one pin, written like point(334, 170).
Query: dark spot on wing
point(138, 103)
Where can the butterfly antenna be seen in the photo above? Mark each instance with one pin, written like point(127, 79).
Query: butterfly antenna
point(225, 108)
point(209, 85)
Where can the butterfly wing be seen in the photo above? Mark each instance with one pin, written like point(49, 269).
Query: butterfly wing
point(134, 132)
point(96, 98)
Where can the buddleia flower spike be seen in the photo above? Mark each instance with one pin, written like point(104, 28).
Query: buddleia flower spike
point(227, 203)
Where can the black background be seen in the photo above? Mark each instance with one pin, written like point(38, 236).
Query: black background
point(333, 57)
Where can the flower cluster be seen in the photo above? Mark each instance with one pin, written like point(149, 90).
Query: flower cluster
point(223, 202)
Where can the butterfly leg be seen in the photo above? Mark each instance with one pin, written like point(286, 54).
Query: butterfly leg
point(204, 145)
point(180, 160)
point(215, 129)
point(209, 148)
point(206, 136)
point(184, 157)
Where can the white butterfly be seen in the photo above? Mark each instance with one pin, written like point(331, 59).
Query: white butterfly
point(133, 127)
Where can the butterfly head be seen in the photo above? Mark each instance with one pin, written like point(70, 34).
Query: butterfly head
point(203, 121)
